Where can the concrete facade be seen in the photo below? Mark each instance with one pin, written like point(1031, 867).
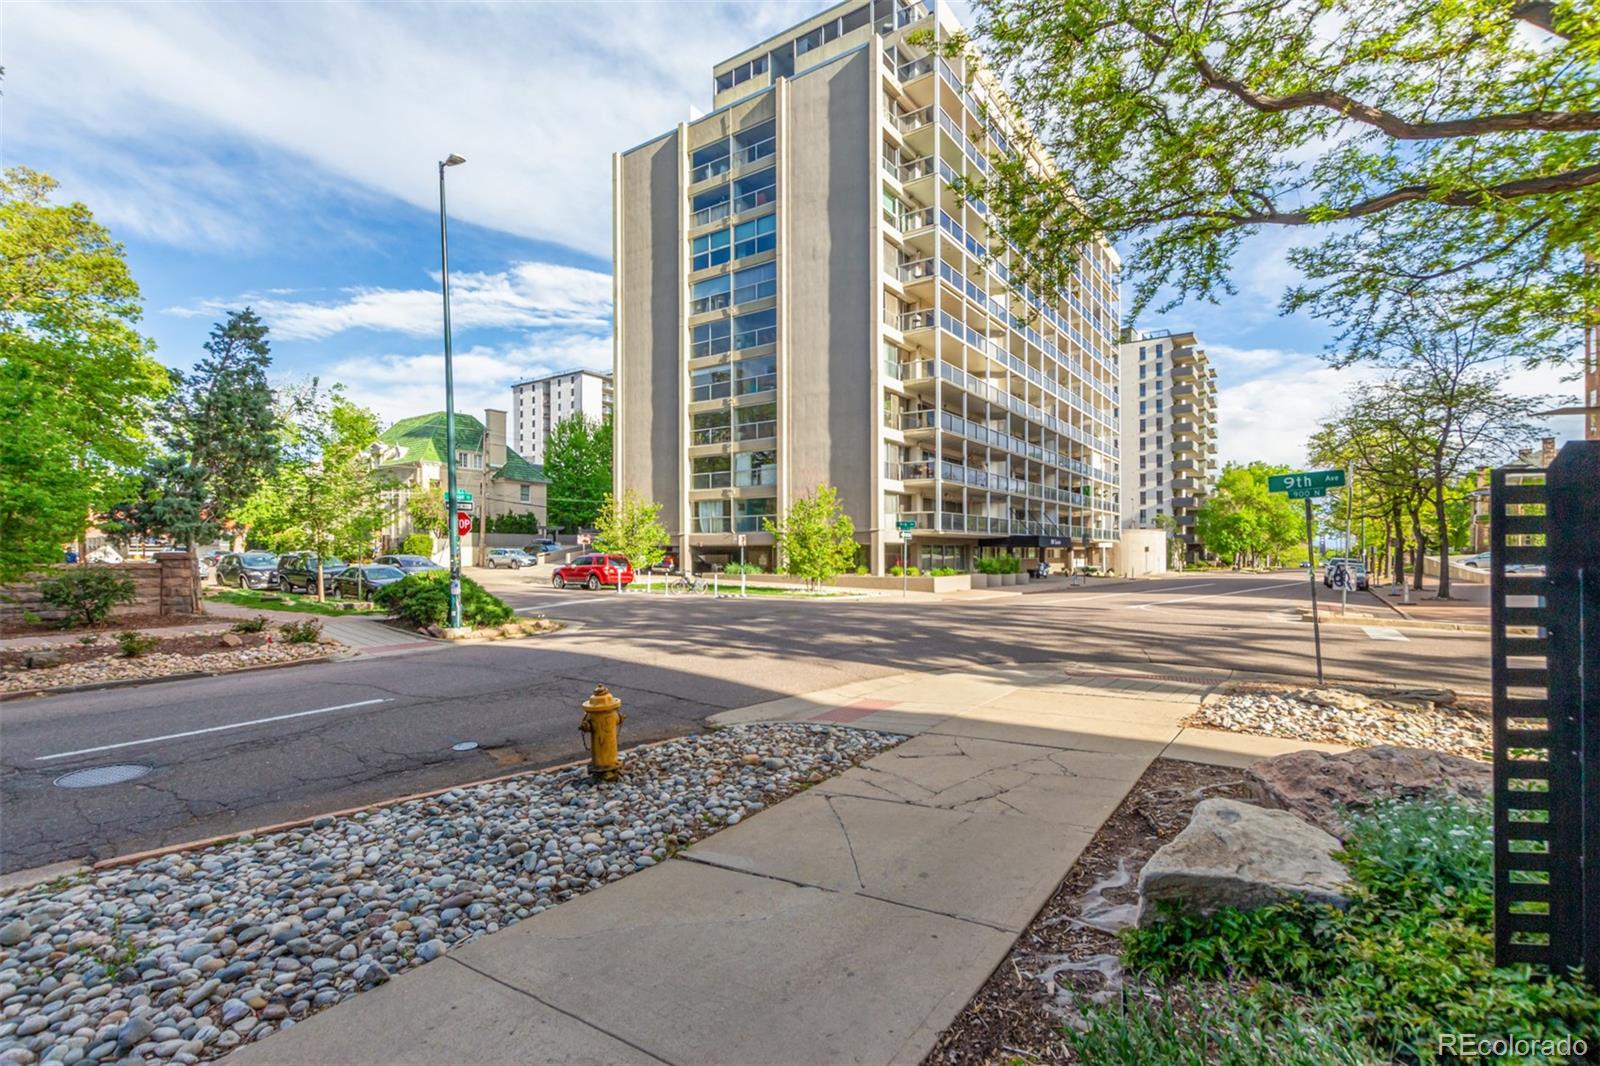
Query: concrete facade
point(802, 301)
point(537, 405)
point(1169, 426)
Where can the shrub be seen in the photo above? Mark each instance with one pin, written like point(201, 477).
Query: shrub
point(862, 571)
point(250, 625)
point(86, 593)
point(742, 568)
point(1411, 957)
point(134, 643)
point(303, 632)
point(423, 600)
point(417, 544)
point(89, 638)
point(944, 571)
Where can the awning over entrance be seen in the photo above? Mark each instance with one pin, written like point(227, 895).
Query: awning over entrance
point(1027, 540)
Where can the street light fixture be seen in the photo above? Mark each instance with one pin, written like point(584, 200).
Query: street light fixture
point(451, 503)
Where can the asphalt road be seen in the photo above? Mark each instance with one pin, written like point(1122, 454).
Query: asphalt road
point(230, 753)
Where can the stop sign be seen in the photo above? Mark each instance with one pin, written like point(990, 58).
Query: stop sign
point(463, 523)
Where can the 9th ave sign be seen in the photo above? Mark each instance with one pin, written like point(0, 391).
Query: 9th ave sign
point(1309, 485)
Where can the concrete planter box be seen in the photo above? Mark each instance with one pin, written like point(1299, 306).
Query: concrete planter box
point(887, 583)
point(979, 581)
point(1011, 579)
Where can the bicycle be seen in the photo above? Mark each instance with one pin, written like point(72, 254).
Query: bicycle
point(689, 583)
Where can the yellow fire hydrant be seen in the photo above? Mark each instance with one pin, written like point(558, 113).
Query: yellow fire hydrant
point(602, 715)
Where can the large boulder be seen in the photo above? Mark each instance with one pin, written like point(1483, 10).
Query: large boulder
point(1234, 854)
point(1318, 786)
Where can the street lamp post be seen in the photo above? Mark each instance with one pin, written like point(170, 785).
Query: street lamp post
point(451, 503)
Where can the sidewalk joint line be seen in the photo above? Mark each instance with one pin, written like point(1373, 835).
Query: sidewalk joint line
point(546, 1003)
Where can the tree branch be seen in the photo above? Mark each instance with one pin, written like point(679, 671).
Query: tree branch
point(1567, 181)
point(1392, 124)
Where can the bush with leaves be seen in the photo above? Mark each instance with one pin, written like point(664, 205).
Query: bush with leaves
point(250, 625)
point(423, 600)
point(134, 643)
point(998, 564)
point(86, 593)
point(417, 544)
point(742, 568)
point(1411, 957)
point(303, 632)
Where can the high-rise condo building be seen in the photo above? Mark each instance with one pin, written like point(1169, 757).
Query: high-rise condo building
point(537, 405)
point(802, 299)
point(1169, 424)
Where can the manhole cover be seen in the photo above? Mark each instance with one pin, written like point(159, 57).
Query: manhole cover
point(102, 775)
point(465, 745)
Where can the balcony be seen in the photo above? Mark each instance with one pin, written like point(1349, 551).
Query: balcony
point(914, 69)
point(917, 168)
point(917, 270)
point(707, 215)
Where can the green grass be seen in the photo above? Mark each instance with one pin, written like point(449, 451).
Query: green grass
point(1411, 958)
point(289, 601)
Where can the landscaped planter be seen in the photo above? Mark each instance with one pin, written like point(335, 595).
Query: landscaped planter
point(981, 581)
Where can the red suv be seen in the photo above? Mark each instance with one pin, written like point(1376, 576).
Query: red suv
point(593, 571)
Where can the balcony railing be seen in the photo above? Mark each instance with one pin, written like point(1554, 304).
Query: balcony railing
point(752, 385)
point(910, 121)
point(749, 431)
point(951, 521)
point(713, 479)
point(755, 338)
point(911, 320)
point(917, 168)
point(918, 269)
point(916, 68)
point(982, 434)
point(710, 435)
point(754, 153)
point(916, 219)
point(710, 170)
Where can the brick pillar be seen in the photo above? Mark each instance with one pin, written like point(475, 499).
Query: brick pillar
point(180, 584)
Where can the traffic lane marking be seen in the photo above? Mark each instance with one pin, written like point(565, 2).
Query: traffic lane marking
point(1208, 596)
point(211, 729)
point(1383, 633)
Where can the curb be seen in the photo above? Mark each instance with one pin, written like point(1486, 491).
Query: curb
point(193, 675)
point(1405, 622)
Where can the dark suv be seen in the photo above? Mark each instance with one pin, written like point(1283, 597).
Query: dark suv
point(248, 570)
point(297, 572)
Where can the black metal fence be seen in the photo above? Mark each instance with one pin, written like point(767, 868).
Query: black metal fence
point(1544, 539)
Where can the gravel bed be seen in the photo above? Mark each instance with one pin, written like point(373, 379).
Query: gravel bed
point(182, 957)
point(1339, 716)
point(158, 664)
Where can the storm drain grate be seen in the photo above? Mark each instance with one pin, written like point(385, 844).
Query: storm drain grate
point(94, 776)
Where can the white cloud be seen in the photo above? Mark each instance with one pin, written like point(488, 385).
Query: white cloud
point(527, 295)
point(398, 386)
point(195, 123)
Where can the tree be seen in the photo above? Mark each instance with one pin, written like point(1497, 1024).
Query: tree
point(1427, 147)
point(325, 495)
point(425, 507)
point(816, 540)
point(1242, 522)
point(578, 466)
point(77, 381)
point(631, 526)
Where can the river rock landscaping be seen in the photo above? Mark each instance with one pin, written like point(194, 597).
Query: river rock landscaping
point(183, 956)
point(98, 657)
point(1432, 718)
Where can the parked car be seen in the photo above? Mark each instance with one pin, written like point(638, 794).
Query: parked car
point(211, 558)
point(297, 571)
point(410, 564)
point(1477, 562)
point(248, 570)
point(1357, 569)
point(515, 558)
point(544, 547)
point(594, 571)
point(362, 580)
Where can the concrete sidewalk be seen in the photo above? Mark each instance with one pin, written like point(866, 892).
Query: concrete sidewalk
point(849, 924)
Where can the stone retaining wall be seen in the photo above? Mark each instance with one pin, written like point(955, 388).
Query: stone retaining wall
point(165, 585)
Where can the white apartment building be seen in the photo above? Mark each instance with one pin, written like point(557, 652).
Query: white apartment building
point(537, 405)
point(802, 300)
point(1169, 430)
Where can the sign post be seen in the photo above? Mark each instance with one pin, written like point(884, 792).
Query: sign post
point(742, 592)
point(1309, 485)
point(905, 526)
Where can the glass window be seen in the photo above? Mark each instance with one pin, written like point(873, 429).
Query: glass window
point(781, 60)
point(710, 338)
point(710, 249)
point(754, 237)
point(755, 468)
point(749, 513)
point(712, 383)
point(710, 427)
point(711, 472)
point(710, 206)
point(711, 516)
point(755, 143)
point(806, 43)
point(856, 19)
point(758, 421)
point(709, 294)
point(759, 282)
point(754, 190)
point(755, 329)
point(755, 375)
point(710, 160)
point(522, 493)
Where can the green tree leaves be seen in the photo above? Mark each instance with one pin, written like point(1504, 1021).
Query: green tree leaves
point(816, 540)
point(631, 526)
point(578, 466)
point(1244, 523)
point(77, 382)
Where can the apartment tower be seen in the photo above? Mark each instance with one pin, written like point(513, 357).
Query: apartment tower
point(802, 300)
point(1169, 423)
point(537, 405)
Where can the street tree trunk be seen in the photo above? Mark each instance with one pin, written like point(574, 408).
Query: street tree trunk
point(1399, 543)
point(1444, 534)
point(1418, 559)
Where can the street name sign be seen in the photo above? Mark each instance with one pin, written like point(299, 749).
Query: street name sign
point(1308, 484)
point(906, 523)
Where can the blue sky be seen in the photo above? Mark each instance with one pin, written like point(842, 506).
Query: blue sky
point(283, 156)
